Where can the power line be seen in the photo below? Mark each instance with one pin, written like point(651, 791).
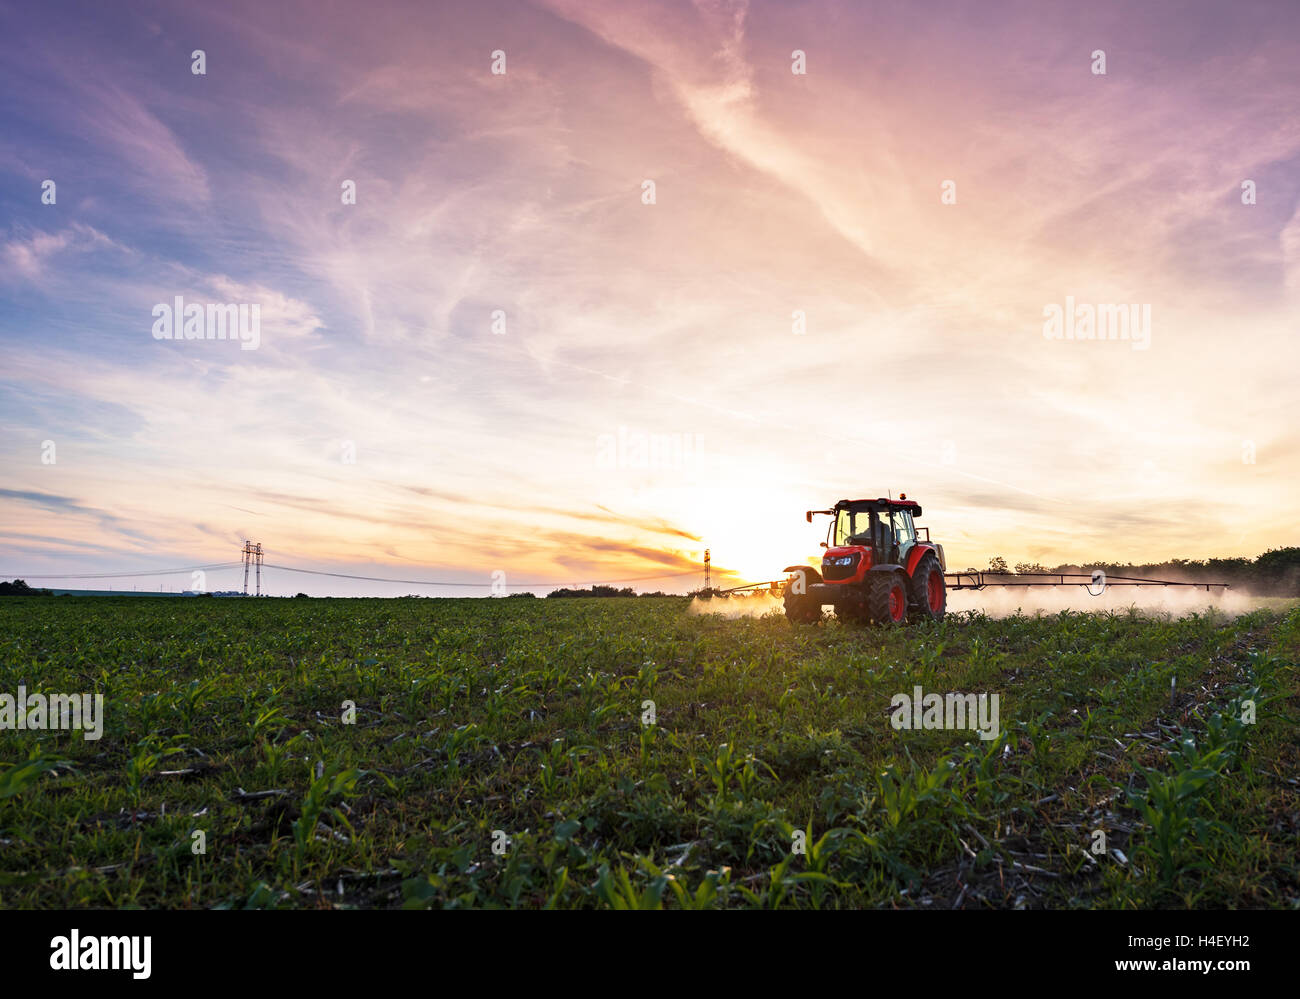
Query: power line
point(121, 575)
point(434, 582)
point(339, 575)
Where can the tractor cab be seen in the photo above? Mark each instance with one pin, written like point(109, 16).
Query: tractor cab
point(885, 527)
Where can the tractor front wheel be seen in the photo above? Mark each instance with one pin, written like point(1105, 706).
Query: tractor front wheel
point(929, 592)
point(887, 598)
point(799, 607)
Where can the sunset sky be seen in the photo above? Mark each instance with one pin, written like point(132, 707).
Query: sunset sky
point(921, 365)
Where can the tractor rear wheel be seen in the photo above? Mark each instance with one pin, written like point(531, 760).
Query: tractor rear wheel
point(887, 598)
point(799, 607)
point(928, 589)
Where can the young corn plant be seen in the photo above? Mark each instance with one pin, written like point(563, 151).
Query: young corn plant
point(143, 762)
point(905, 797)
point(1168, 807)
point(779, 884)
point(647, 744)
point(818, 858)
point(320, 801)
point(710, 893)
point(153, 708)
point(274, 755)
point(461, 739)
point(265, 717)
point(928, 657)
point(415, 696)
point(189, 698)
point(726, 765)
point(15, 777)
point(1040, 739)
point(986, 783)
point(616, 890)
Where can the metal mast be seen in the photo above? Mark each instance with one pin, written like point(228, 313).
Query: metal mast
point(252, 554)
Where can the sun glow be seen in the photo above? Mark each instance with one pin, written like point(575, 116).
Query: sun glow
point(753, 543)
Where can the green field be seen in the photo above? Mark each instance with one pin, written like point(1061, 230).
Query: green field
point(520, 723)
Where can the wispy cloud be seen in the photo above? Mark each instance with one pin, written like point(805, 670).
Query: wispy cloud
point(29, 253)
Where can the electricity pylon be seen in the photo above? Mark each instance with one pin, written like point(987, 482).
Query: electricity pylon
point(252, 556)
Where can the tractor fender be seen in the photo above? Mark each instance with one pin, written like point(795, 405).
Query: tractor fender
point(814, 575)
point(916, 554)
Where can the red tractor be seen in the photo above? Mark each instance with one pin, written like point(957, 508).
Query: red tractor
point(877, 567)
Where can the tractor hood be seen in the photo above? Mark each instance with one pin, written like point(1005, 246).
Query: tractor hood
point(846, 563)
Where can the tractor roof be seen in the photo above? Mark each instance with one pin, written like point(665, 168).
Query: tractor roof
point(882, 503)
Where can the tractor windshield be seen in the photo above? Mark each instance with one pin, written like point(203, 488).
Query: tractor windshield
point(854, 527)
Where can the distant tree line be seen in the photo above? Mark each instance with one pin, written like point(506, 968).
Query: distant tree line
point(1276, 573)
point(602, 591)
point(18, 588)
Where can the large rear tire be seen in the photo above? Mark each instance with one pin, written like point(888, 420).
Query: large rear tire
point(887, 598)
point(799, 607)
point(928, 590)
